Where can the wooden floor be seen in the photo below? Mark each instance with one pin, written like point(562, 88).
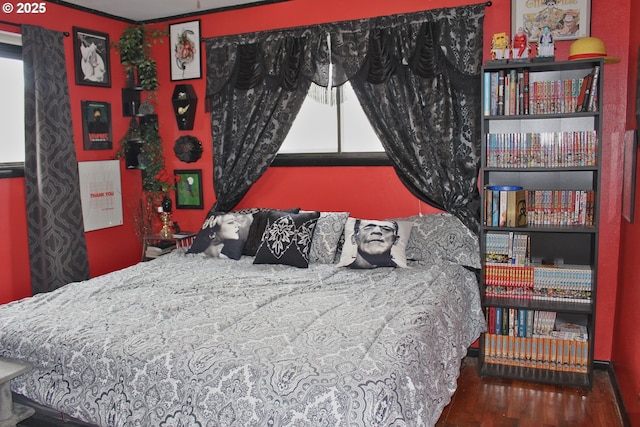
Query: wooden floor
point(489, 401)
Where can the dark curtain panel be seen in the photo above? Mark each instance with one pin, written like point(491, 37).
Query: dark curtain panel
point(57, 246)
point(417, 76)
point(251, 116)
point(420, 89)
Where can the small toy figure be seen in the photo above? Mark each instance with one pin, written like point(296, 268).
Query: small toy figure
point(520, 45)
point(500, 46)
point(545, 43)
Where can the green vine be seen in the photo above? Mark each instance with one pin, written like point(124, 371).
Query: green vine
point(134, 47)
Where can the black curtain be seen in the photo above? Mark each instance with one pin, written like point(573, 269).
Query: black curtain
point(425, 107)
point(251, 116)
point(416, 75)
point(57, 246)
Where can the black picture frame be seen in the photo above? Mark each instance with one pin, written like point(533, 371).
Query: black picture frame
point(629, 174)
point(189, 189)
point(96, 125)
point(91, 54)
point(185, 66)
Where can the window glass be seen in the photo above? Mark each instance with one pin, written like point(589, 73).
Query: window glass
point(12, 100)
point(315, 129)
point(11, 111)
point(357, 135)
point(331, 127)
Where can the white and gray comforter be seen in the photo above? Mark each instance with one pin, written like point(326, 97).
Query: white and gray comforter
point(191, 341)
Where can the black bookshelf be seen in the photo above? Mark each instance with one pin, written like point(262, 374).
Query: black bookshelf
point(561, 244)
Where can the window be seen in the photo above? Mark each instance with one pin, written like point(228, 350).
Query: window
point(331, 129)
point(11, 105)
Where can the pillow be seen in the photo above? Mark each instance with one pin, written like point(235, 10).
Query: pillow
point(442, 237)
point(287, 239)
point(222, 235)
point(326, 237)
point(371, 243)
point(258, 225)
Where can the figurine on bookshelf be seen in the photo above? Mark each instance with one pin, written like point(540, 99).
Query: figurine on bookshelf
point(546, 46)
point(500, 47)
point(520, 46)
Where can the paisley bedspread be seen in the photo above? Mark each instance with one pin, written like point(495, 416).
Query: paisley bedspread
point(191, 341)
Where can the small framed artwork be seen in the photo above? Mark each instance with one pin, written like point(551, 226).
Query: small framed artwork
point(629, 174)
point(565, 21)
point(189, 189)
point(96, 125)
point(185, 50)
point(91, 57)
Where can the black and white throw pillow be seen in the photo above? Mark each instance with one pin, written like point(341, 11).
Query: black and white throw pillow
point(287, 239)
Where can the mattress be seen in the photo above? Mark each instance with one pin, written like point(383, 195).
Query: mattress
point(194, 341)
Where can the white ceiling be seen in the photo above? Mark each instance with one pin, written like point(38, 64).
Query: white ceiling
point(150, 10)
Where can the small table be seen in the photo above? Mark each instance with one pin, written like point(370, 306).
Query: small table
point(182, 240)
point(11, 413)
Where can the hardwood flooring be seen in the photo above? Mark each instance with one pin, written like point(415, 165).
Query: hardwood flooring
point(489, 402)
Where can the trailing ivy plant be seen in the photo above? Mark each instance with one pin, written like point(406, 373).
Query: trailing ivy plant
point(134, 47)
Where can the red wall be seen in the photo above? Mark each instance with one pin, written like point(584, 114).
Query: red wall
point(372, 191)
point(288, 186)
point(626, 345)
point(110, 248)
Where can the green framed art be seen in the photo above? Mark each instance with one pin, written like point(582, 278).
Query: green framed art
point(189, 189)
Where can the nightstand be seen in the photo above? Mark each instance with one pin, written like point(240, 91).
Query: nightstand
point(11, 413)
point(154, 245)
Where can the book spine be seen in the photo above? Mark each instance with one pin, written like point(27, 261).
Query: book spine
point(525, 89)
point(501, 94)
point(486, 93)
point(594, 89)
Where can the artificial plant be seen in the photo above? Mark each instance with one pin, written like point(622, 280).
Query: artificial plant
point(134, 47)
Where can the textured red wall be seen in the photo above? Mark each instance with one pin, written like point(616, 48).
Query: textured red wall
point(626, 345)
point(110, 248)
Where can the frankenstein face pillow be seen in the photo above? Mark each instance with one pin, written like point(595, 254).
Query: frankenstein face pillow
point(222, 235)
point(371, 243)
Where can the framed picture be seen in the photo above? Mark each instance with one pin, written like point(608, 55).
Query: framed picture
point(629, 174)
point(185, 50)
point(96, 125)
point(189, 189)
point(91, 57)
point(565, 21)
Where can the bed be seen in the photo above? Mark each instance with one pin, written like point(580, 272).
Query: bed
point(193, 340)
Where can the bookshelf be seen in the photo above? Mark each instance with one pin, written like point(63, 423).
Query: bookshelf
point(541, 127)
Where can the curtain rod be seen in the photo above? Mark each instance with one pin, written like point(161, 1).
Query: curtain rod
point(65, 33)
point(488, 4)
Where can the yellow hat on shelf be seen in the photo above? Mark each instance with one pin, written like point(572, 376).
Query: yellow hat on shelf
point(588, 48)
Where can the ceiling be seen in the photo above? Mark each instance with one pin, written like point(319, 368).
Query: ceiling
point(154, 10)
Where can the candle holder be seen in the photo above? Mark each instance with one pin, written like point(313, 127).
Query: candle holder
point(165, 232)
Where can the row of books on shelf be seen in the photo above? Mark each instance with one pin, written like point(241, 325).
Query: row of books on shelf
point(543, 149)
point(526, 323)
point(518, 208)
point(507, 248)
point(536, 339)
point(537, 352)
point(511, 92)
point(569, 283)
